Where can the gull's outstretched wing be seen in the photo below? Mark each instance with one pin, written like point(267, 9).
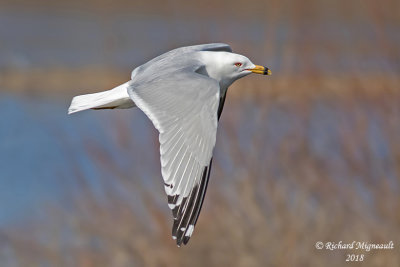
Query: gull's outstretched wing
point(183, 106)
point(176, 53)
point(209, 47)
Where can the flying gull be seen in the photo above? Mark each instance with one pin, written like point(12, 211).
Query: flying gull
point(183, 93)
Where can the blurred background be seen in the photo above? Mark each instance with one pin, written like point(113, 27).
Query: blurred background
point(311, 153)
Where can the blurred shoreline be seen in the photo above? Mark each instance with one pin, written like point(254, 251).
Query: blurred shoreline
point(60, 82)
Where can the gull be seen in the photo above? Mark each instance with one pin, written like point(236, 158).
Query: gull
point(183, 93)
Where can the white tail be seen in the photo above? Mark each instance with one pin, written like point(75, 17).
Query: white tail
point(114, 98)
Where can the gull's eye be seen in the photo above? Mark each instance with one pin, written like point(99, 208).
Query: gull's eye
point(238, 64)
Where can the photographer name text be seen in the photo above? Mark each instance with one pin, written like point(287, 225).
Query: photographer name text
point(357, 245)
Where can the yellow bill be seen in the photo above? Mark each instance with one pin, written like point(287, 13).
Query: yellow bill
point(261, 70)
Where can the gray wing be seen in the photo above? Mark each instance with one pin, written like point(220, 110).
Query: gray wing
point(202, 47)
point(183, 106)
point(208, 47)
point(160, 62)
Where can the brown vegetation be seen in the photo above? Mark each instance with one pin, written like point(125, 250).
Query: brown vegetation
point(282, 195)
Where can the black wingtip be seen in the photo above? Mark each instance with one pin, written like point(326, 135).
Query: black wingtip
point(186, 240)
point(188, 210)
point(182, 240)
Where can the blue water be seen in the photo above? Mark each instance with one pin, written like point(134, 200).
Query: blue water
point(46, 154)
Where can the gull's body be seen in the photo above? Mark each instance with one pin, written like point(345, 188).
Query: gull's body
point(183, 93)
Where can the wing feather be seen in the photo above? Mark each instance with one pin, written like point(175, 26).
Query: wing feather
point(183, 106)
